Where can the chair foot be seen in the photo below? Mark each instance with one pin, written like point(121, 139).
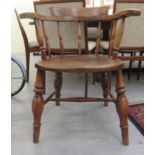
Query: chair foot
point(37, 106)
point(36, 132)
point(122, 107)
point(125, 139)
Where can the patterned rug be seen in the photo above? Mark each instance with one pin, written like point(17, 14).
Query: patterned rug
point(136, 115)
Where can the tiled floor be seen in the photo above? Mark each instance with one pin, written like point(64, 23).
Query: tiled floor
point(73, 128)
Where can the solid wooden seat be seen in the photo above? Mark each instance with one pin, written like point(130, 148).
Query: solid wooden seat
point(79, 62)
point(82, 63)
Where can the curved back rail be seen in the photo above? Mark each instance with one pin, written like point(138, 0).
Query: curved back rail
point(83, 15)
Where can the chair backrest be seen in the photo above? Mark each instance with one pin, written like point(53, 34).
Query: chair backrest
point(22, 31)
point(134, 27)
point(42, 7)
point(83, 15)
point(73, 12)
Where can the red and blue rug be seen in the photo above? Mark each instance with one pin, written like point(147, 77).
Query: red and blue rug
point(136, 116)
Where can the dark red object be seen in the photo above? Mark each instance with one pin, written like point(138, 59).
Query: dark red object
point(136, 115)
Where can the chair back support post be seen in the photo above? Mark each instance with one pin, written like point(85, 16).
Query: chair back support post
point(39, 36)
point(112, 37)
point(119, 33)
point(61, 42)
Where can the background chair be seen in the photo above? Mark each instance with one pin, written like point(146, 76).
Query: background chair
point(132, 45)
point(30, 47)
point(80, 63)
point(43, 7)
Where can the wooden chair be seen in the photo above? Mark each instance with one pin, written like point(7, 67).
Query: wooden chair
point(132, 45)
point(80, 63)
point(30, 47)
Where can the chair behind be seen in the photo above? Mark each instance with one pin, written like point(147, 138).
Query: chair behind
point(43, 8)
point(29, 46)
point(133, 39)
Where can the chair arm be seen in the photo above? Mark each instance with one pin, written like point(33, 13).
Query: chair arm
point(30, 15)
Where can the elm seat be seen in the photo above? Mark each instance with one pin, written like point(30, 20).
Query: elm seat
point(81, 63)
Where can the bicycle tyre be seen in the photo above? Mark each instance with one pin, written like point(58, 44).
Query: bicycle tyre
point(22, 71)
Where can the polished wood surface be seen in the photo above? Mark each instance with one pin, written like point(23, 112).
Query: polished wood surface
point(82, 63)
point(37, 105)
point(116, 16)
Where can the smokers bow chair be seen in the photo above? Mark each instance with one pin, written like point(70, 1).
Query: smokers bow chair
point(80, 63)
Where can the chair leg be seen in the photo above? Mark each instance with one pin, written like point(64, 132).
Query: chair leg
point(27, 66)
point(37, 106)
point(58, 85)
point(105, 86)
point(122, 107)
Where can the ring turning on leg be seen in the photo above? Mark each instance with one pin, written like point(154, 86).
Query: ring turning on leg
point(37, 105)
point(122, 107)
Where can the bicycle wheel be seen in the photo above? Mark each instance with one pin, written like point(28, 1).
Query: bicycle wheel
point(17, 76)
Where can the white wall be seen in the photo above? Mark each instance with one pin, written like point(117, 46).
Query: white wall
point(17, 44)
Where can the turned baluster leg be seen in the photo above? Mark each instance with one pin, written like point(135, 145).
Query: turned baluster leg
point(37, 105)
point(104, 85)
point(122, 107)
point(58, 85)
